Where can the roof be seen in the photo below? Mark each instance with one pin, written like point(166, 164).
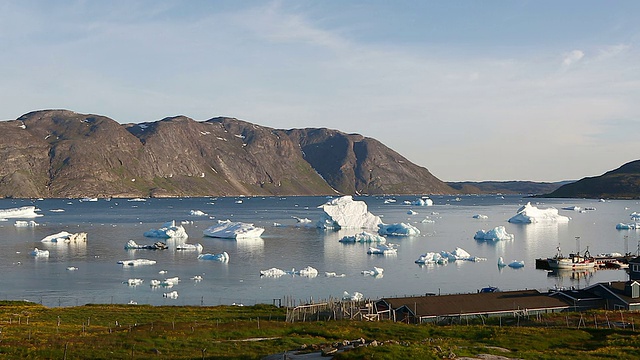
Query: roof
point(617, 288)
point(479, 303)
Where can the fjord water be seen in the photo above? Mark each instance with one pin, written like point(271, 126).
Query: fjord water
point(110, 224)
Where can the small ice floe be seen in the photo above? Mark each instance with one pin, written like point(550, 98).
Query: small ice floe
point(308, 272)
point(197, 213)
point(411, 212)
point(21, 212)
point(170, 282)
point(132, 245)
point(162, 272)
point(154, 283)
point(516, 264)
point(495, 234)
point(399, 229)
point(356, 296)
point(233, 230)
point(346, 213)
point(460, 254)
point(196, 278)
point(363, 237)
point(406, 202)
point(273, 272)
point(223, 257)
point(133, 282)
point(132, 302)
point(136, 199)
point(40, 253)
point(432, 258)
point(634, 216)
point(136, 262)
point(529, 214)
point(333, 274)
point(383, 249)
point(189, 247)
point(629, 226)
point(65, 237)
point(171, 295)
point(302, 220)
point(389, 201)
point(480, 216)
point(167, 231)
point(424, 201)
point(238, 201)
point(72, 268)
point(572, 208)
point(376, 272)
point(501, 262)
point(23, 223)
point(428, 221)
point(57, 210)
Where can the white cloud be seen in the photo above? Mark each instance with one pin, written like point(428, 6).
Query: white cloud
point(572, 57)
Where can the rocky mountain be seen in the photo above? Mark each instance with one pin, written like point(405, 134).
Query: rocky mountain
point(506, 187)
point(60, 153)
point(621, 183)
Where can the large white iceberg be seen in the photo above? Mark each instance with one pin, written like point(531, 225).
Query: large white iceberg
point(529, 214)
point(400, 229)
point(222, 257)
point(432, 258)
point(346, 213)
point(233, 230)
point(168, 230)
point(24, 212)
point(497, 233)
point(65, 237)
point(382, 249)
point(363, 237)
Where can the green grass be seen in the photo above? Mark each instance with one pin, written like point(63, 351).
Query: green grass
point(31, 331)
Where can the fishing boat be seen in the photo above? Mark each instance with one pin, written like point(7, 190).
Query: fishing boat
point(573, 261)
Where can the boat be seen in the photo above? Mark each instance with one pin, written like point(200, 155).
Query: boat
point(573, 261)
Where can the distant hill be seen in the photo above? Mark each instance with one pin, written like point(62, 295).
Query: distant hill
point(621, 183)
point(506, 187)
point(60, 153)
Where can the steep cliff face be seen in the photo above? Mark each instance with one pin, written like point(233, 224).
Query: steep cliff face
point(621, 183)
point(60, 153)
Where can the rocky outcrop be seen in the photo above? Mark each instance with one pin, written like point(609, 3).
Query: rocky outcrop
point(60, 153)
point(621, 183)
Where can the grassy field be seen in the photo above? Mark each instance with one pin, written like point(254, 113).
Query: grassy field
point(31, 331)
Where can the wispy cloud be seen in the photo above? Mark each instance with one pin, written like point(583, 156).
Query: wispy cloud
point(572, 57)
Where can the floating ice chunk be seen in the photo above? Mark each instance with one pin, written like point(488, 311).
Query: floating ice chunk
point(197, 213)
point(432, 258)
point(302, 220)
point(190, 247)
point(516, 264)
point(308, 272)
point(423, 202)
point(389, 201)
point(411, 212)
point(233, 230)
point(376, 271)
point(22, 223)
point(480, 216)
point(333, 274)
point(529, 214)
point(24, 212)
point(137, 199)
point(630, 226)
point(162, 272)
point(196, 278)
point(65, 237)
point(427, 221)
point(57, 210)
point(363, 237)
point(382, 249)
point(223, 257)
point(134, 282)
point(501, 262)
point(168, 230)
point(273, 272)
point(132, 245)
point(497, 233)
point(355, 297)
point(154, 283)
point(170, 282)
point(572, 208)
point(457, 254)
point(136, 262)
point(635, 216)
point(40, 253)
point(399, 229)
point(72, 268)
point(346, 213)
point(171, 295)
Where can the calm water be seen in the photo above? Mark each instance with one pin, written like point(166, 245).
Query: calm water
point(110, 224)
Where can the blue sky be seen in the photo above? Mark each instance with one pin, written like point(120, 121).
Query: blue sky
point(471, 90)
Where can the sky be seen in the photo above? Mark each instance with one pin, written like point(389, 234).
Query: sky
point(472, 90)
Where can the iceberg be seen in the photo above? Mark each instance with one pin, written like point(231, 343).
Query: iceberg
point(411, 212)
point(572, 208)
point(516, 264)
point(529, 214)
point(501, 262)
point(65, 237)
point(171, 295)
point(273, 272)
point(480, 216)
point(40, 253)
point(333, 274)
point(355, 297)
point(375, 272)
point(136, 262)
point(197, 213)
point(223, 257)
point(382, 249)
point(432, 258)
point(363, 237)
point(400, 229)
point(22, 223)
point(24, 212)
point(233, 230)
point(132, 245)
point(170, 282)
point(168, 230)
point(630, 226)
point(190, 247)
point(134, 282)
point(497, 233)
point(72, 268)
point(423, 202)
point(308, 272)
point(346, 213)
